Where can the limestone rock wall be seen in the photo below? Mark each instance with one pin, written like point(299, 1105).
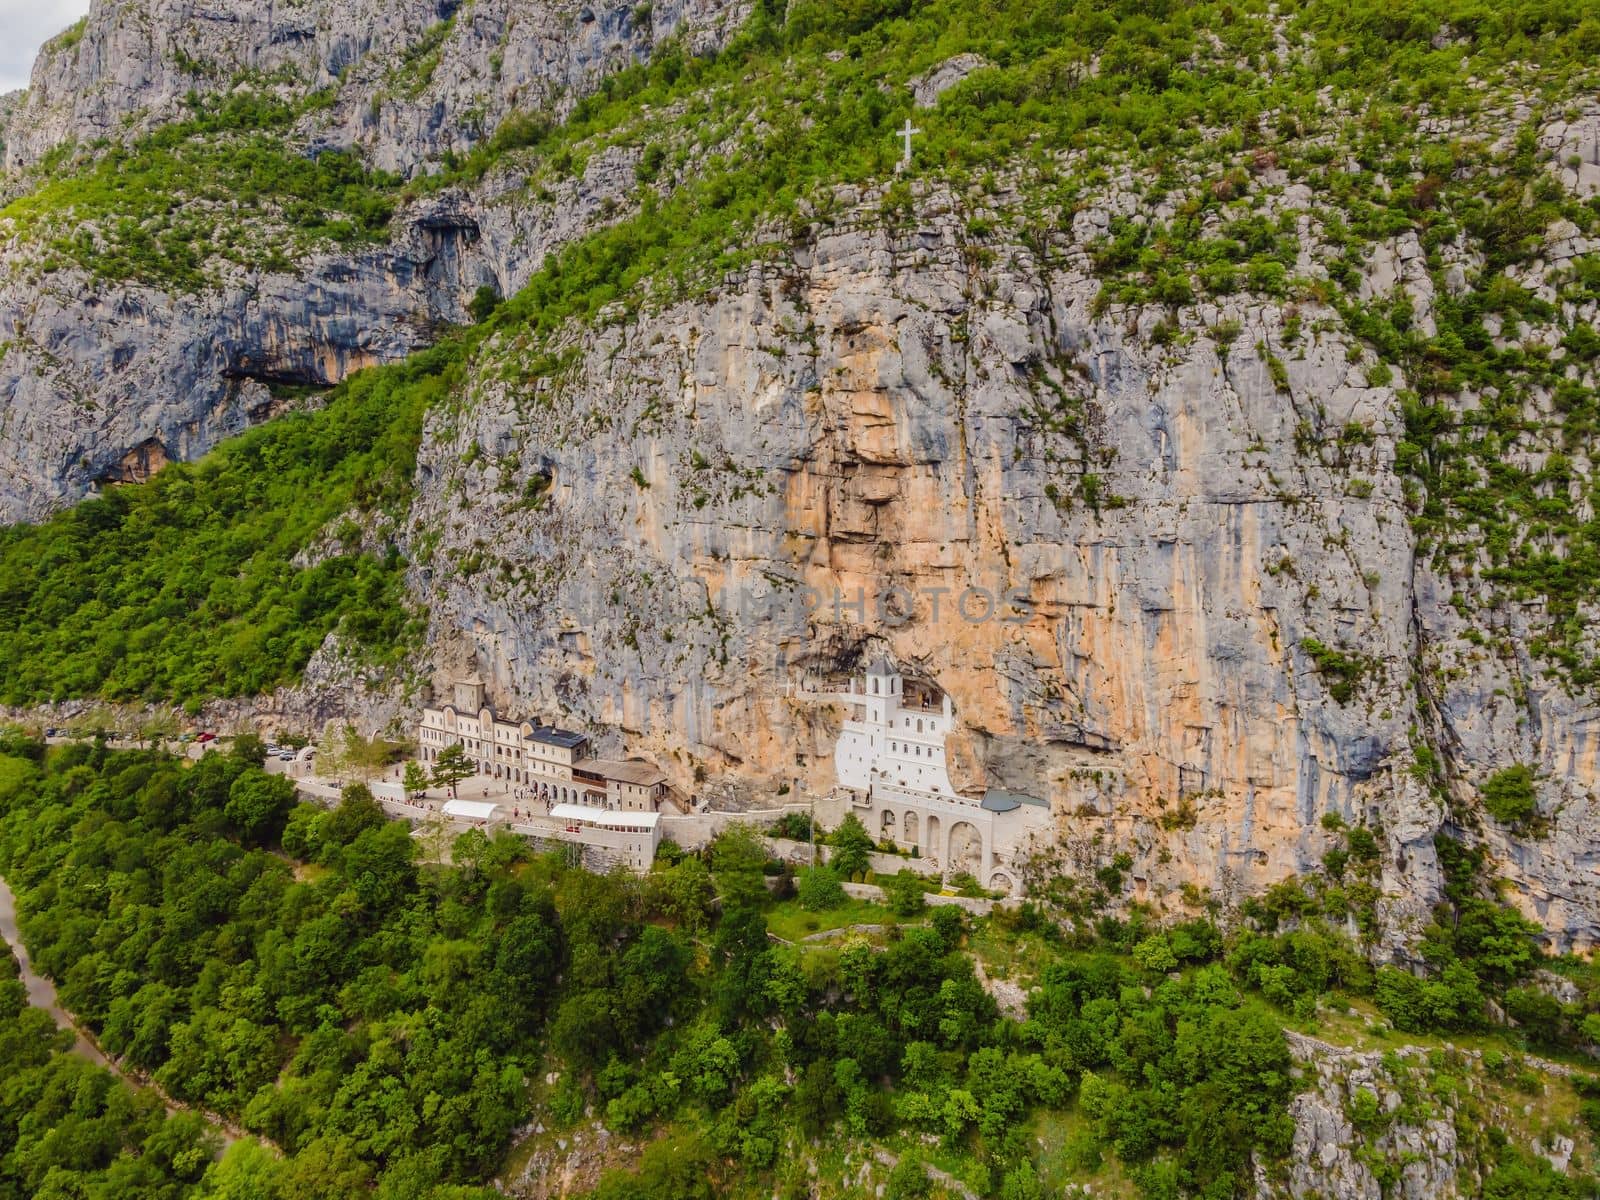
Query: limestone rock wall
point(93, 371)
point(756, 486)
point(1419, 1136)
point(410, 79)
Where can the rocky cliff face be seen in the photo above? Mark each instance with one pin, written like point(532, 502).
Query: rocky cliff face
point(409, 80)
point(101, 379)
point(1121, 558)
point(1405, 1123)
point(877, 445)
point(94, 371)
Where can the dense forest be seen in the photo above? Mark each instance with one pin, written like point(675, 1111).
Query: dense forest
point(71, 1131)
point(189, 587)
point(384, 1023)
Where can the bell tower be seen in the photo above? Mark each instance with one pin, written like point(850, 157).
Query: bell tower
point(469, 695)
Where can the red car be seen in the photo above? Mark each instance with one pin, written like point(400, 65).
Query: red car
point(206, 737)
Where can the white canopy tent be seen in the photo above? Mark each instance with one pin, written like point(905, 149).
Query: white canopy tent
point(471, 810)
point(613, 818)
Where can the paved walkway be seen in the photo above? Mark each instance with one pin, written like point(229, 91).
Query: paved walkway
point(520, 813)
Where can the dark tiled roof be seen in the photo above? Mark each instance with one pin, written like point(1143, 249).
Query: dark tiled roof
point(1000, 800)
point(551, 736)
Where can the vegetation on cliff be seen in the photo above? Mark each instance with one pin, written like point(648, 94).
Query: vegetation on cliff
point(221, 191)
point(1067, 104)
point(222, 578)
point(389, 1024)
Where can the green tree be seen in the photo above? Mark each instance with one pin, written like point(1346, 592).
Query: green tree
point(248, 1171)
point(1154, 953)
point(469, 850)
point(684, 893)
point(528, 957)
point(738, 857)
point(356, 755)
point(452, 766)
point(484, 301)
point(357, 812)
point(249, 748)
point(1022, 1183)
point(332, 748)
point(820, 889)
point(416, 779)
point(259, 804)
point(950, 923)
point(1530, 1177)
point(908, 1180)
point(852, 846)
point(379, 863)
point(1509, 796)
point(903, 890)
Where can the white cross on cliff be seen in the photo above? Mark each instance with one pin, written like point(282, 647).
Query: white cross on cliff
point(907, 134)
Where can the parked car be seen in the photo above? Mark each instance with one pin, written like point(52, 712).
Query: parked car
point(206, 737)
point(286, 756)
point(51, 732)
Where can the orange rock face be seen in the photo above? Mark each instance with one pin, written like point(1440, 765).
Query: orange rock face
point(1139, 572)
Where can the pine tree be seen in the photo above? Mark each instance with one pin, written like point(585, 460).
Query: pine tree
point(451, 767)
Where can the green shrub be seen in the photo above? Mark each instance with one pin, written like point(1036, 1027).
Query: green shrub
point(1509, 796)
point(819, 889)
point(1341, 670)
point(904, 891)
point(224, 185)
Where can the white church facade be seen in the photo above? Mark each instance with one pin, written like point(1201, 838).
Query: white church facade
point(610, 808)
point(554, 764)
point(892, 771)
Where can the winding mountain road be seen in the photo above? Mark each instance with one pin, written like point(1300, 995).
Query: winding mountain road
point(42, 994)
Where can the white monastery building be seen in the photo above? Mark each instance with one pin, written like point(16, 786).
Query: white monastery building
point(611, 805)
point(890, 763)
